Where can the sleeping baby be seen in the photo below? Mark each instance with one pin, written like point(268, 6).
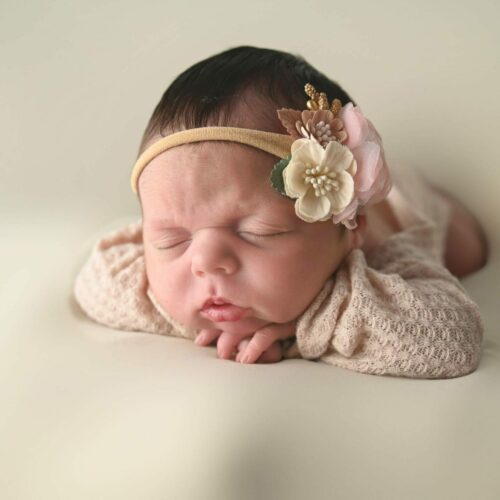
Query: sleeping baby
point(272, 228)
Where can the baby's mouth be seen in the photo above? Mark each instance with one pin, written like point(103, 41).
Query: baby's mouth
point(218, 310)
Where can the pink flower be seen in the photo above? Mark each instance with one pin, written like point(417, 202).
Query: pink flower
point(372, 182)
point(320, 125)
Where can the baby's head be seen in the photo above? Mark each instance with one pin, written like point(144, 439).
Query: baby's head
point(213, 224)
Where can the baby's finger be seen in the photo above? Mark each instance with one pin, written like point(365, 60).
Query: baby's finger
point(241, 349)
point(259, 343)
point(207, 336)
point(272, 355)
point(227, 345)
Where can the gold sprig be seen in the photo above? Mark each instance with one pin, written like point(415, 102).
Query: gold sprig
point(320, 101)
point(336, 106)
point(313, 103)
point(323, 101)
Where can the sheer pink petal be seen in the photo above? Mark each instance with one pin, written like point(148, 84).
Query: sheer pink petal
point(369, 162)
point(378, 191)
point(347, 213)
point(373, 134)
point(355, 124)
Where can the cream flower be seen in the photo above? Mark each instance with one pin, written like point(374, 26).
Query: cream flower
point(321, 179)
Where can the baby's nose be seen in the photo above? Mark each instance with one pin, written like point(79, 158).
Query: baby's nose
point(213, 255)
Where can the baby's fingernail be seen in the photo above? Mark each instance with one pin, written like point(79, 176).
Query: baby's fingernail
point(200, 338)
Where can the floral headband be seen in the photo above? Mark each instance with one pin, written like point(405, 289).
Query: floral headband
point(332, 160)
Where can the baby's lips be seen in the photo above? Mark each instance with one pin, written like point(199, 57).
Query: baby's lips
point(217, 300)
point(223, 312)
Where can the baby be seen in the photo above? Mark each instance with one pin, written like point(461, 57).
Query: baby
point(259, 180)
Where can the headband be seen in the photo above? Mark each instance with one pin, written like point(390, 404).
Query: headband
point(276, 144)
point(332, 160)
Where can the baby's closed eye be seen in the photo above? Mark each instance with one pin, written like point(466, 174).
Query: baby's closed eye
point(171, 243)
point(167, 246)
point(262, 235)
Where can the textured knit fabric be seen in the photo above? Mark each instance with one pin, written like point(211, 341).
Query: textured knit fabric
point(395, 311)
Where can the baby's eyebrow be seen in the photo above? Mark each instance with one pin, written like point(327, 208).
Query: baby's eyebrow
point(161, 225)
point(165, 224)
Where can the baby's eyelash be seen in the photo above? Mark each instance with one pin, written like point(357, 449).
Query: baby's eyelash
point(262, 235)
point(173, 246)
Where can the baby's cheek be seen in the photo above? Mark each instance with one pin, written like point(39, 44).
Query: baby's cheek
point(291, 290)
point(281, 295)
point(170, 292)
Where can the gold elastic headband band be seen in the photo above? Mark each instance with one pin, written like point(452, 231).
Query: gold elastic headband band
point(276, 144)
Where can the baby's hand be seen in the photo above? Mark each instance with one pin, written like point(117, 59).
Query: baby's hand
point(263, 346)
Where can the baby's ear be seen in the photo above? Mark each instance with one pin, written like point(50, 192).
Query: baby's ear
point(358, 234)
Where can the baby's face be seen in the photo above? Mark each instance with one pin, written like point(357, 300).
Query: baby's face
point(214, 226)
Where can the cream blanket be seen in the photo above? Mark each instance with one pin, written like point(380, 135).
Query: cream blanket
point(397, 311)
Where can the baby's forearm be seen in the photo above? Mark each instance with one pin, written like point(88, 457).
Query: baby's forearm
point(466, 242)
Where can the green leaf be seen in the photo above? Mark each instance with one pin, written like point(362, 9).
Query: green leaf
point(276, 175)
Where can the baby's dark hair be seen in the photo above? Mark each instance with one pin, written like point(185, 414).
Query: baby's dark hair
point(205, 93)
